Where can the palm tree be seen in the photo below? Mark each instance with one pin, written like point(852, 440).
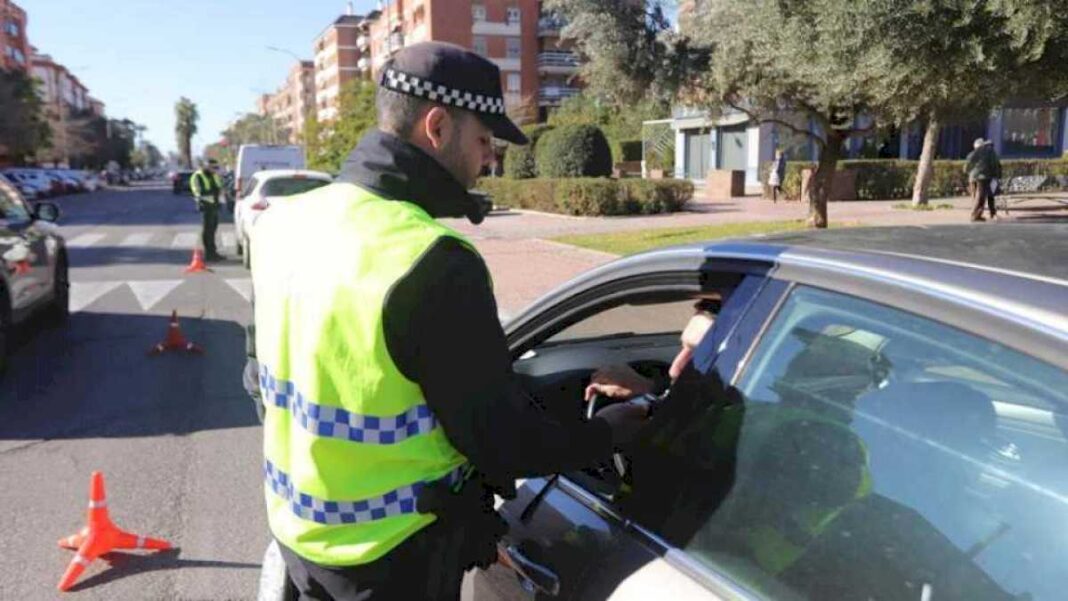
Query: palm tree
point(185, 125)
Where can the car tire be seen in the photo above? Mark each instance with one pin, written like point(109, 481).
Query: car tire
point(59, 310)
point(246, 257)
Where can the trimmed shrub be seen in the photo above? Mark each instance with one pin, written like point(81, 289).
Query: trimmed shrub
point(889, 179)
point(519, 160)
point(573, 151)
point(590, 196)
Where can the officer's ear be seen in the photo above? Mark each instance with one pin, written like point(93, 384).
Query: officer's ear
point(438, 126)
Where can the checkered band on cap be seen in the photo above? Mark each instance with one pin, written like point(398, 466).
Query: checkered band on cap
point(401, 501)
point(406, 83)
point(335, 422)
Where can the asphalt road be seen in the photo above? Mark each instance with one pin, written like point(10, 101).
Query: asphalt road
point(175, 436)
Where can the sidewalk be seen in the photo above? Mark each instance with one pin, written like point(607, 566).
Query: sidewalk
point(525, 265)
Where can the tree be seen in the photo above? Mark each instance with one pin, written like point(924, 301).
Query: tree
point(185, 126)
point(849, 67)
point(619, 122)
point(253, 128)
point(356, 115)
point(23, 128)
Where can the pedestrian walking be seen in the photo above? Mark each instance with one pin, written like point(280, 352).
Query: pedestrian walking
point(392, 416)
point(777, 174)
point(207, 186)
point(982, 166)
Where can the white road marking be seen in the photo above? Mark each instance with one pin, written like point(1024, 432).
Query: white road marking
point(185, 240)
point(140, 239)
point(151, 292)
point(229, 240)
point(85, 240)
point(242, 287)
point(83, 294)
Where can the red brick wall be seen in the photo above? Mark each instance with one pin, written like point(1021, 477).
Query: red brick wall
point(9, 11)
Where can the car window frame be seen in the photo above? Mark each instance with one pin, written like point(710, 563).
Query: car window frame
point(295, 177)
point(716, 581)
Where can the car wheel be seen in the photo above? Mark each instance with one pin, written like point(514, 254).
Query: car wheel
point(246, 257)
point(60, 308)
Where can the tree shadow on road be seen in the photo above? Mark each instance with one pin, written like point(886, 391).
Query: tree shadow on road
point(122, 565)
point(92, 377)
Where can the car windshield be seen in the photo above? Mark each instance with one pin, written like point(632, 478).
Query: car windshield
point(288, 186)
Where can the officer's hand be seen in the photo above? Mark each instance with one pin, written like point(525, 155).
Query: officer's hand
point(618, 382)
point(200, 206)
point(625, 419)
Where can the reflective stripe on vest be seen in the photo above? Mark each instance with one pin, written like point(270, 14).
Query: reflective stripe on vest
point(335, 422)
point(401, 501)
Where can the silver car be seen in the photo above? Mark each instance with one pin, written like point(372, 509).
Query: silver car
point(33, 263)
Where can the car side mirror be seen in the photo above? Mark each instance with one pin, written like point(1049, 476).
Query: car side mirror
point(46, 211)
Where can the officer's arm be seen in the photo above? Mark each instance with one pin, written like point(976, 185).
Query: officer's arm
point(194, 185)
point(443, 332)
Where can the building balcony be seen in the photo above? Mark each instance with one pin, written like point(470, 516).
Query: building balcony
point(554, 95)
point(557, 62)
point(363, 43)
point(550, 26)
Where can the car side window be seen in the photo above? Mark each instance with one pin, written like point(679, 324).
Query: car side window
point(12, 208)
point(654, 318)
point(253, 183)
point(867, 452)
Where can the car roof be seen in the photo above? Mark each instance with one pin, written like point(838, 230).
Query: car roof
point(1023, 249)
point(269, 174)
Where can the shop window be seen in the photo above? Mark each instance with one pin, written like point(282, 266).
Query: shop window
point(1030, 131)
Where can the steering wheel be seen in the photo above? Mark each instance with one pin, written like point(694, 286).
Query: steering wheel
point(620, 463)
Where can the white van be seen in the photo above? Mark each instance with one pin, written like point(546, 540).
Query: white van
point(257, 157)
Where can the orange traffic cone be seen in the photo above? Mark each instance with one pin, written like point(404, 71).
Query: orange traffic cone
point(100, 536)
point(175, 341)
point(196, 265)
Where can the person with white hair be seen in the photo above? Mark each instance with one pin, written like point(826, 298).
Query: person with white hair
point(982, 166)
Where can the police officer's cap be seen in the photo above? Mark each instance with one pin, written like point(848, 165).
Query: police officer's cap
point(452, 76)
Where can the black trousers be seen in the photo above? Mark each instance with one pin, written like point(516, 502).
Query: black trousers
point(209, 223)
point(422, 568)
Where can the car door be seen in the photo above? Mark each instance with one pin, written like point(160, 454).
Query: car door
point(597, 535)
point(23, 250)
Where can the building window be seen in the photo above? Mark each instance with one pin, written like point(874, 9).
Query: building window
point(513, 15)
point(478, 12)
point(12, 28)
point(514, 48)
point(514, 82)
point(478, 44)
point(1030, 131)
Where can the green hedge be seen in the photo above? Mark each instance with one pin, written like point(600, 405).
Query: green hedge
point(590, 196)
point(519, 160)
point(573, 151)
point(888, 179)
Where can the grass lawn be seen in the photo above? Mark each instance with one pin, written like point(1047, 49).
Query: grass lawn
point(626, 243)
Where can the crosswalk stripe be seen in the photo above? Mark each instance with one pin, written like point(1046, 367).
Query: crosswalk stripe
point(140, 239)
point(83, 294)
point(229, 240)
point(150, 292)
point(85, 240)
point(185, 240)
point(243, 287)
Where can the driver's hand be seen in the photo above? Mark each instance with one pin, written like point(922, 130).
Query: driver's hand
point(618, 382)
point(625, 419)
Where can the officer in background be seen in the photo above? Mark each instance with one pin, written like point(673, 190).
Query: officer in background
point(392, 414)
point(207, 187)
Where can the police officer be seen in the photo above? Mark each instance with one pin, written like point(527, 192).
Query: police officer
point(206, 186)
point(391, 411)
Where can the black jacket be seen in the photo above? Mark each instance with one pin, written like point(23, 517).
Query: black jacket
point(443, 332)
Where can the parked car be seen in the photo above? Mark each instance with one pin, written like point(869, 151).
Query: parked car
point(262, 189)
point(33, 263)
point(68, 183)
point(180, 181)
point(252, 158)
point(90, 180)
point(875, 413)
point(32, 178)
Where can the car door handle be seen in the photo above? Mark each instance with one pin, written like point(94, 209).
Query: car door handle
point(538, 576)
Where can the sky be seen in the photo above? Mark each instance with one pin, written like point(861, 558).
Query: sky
point(140, 56)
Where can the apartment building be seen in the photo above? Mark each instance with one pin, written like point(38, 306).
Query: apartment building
point(342, 54)
point(60, 90)
point(15, 49)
